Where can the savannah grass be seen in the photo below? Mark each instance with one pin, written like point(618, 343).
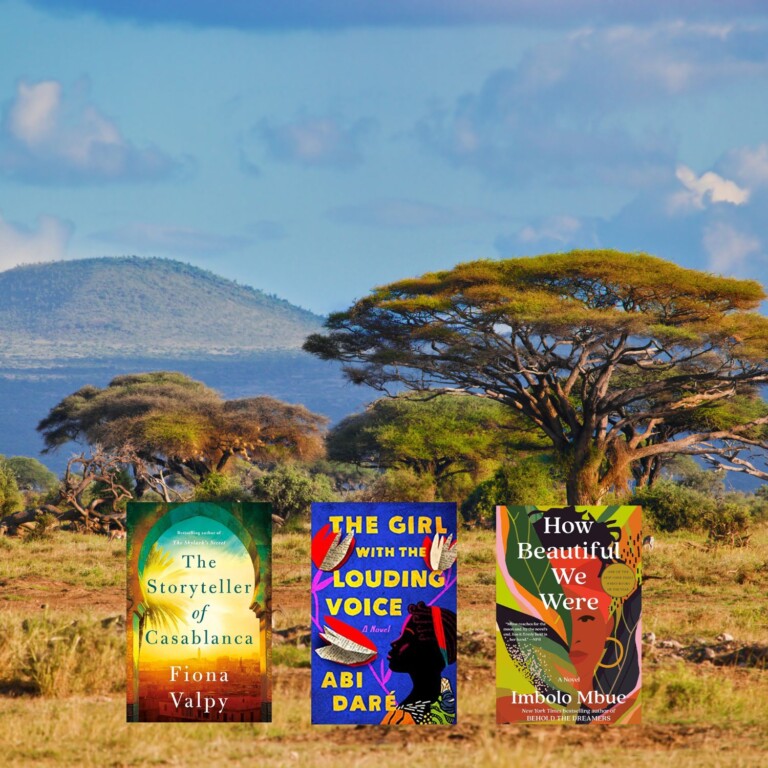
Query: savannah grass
point(61, 682)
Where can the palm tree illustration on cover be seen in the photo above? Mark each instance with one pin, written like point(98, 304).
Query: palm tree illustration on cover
point(425, 647)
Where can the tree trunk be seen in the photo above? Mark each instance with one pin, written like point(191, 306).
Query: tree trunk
point(583, 483)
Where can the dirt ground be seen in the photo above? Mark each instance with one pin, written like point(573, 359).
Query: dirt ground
point(26, 596)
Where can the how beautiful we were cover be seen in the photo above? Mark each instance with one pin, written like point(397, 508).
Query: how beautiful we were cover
point(568, 599)
point(384, 613)
point(199, 612)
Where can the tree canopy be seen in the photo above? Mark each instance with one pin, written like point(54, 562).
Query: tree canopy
point(179, 425)
point(31, 474)
point(601, 350)
point(11, 499)
point(437, 435)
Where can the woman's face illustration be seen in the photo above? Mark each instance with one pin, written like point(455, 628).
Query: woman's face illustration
point(591, 620)
point(589, 632)
point(405, 651)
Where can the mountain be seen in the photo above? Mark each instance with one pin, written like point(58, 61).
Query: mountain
point(139, 307)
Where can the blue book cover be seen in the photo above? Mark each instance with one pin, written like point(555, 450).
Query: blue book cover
point(384, 613)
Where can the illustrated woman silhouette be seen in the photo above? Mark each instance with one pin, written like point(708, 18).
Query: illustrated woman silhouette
point(426, 646)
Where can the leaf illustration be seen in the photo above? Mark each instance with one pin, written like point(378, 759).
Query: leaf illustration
point(534, 573)
point(536, 650)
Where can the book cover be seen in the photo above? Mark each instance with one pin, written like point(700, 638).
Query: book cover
point(568, 598)
point(384, 613)
point(199, 612)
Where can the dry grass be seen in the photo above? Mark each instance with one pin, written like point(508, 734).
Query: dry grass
point(694, 592)
point(86, 561)
point(702, 716)
point(55, 656)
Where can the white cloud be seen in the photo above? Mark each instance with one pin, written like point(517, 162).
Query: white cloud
point(730, 251)
point(585, 108)
point(700, 190)
point(32, 117)
point(556, 229)
point(51, 138)
point(22, 245)
point(315, 141)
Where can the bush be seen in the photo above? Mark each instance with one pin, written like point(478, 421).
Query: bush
point(530, 481)
point(671, 506)
point(291, 489)
point(758, 504)
point(455, 487)
point(399, 485)
point(684, 470)
point(219, 487)
point(729, 523)
point(45, 524)
point(11, 499)
point(346, 478)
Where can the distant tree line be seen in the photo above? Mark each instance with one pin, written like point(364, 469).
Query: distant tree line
point(571, 378)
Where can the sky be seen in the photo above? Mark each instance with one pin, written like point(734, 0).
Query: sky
point(316, 150)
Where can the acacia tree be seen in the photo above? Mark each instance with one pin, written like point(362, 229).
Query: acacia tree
point(171, 423)
point(438, 436)
point(747, 407)
point(601, 350)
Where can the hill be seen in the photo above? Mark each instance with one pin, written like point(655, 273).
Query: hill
point(130, 306)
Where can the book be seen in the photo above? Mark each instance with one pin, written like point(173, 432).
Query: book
point(199, 612)
point(568, 614)
point(384, 613)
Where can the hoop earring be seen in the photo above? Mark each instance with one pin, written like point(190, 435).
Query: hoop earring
point(618, 660)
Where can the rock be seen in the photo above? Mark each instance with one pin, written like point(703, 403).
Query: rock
point(649, 637)
point(709, 654)
point(116, 622)
point(724, 637)
point(748, 656)
point(476, 643)
point(672, 644)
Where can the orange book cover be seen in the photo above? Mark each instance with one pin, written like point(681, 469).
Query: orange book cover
point(199, 605)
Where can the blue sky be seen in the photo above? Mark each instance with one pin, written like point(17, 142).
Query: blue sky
point(315, 150)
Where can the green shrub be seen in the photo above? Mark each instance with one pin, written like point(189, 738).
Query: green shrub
point(532, 480)
point(400, 485)
point(32, 475)
point(671, 506)
point(11, 499)
point(291, 489)
point(45, 524)
point(219, 487)
point(728, 523)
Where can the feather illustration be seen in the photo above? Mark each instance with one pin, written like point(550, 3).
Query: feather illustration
point(346, 645)
point(329, 550)
point(440, 552)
